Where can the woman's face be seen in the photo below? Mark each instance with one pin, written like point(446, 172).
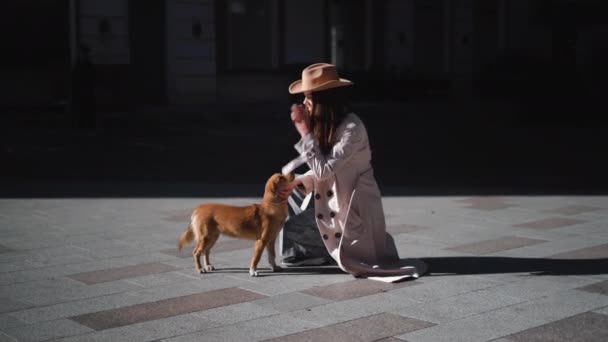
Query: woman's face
point(308, 102)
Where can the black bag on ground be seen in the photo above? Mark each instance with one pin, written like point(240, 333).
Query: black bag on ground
point(299, 241)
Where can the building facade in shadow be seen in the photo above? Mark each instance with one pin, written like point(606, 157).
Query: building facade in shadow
point(461, 93)
point(171, 52)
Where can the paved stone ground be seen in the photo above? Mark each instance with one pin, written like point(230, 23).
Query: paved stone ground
point(513, 268)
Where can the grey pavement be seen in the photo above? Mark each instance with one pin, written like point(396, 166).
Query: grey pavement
point(508, 268)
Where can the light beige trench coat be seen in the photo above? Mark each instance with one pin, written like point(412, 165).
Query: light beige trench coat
point(348, 205)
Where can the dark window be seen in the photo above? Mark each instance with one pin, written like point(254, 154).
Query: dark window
point(246, 34)
point(347, 34)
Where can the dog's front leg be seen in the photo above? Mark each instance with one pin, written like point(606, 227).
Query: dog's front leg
point(272, 256)
point(255, 258)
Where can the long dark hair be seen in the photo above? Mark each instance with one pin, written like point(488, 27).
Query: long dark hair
point(330, 107)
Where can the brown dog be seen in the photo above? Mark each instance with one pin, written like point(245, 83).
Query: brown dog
point(260, 222)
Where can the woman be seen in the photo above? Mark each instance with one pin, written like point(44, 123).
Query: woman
point(348, 206)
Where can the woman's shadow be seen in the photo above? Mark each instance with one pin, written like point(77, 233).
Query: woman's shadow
point(452, 265)
point(537, 266)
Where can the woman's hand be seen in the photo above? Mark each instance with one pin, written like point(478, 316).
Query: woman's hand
point(286, 191)
point(300, 119)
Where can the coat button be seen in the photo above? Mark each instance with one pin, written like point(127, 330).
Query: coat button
point(332, 214)
point(320, 216)
point(325, 237)
point(338, 235)
point(317, 196)
point(330, 193)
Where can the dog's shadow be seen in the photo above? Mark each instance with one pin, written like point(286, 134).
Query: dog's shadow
point(292, 270)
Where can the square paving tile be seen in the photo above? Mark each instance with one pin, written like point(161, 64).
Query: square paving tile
point(163, 279)
point(226, 245)
point(165, 308)
point(595, 252)
point(8, 321)
point(478, 328)
point(495, 245)
point(558, 305)
point(285, 282)
point(389, 339)
point(572, 210)
point(9, 304)
point(47, 330)
point(260, 329)
point(178, 216)
point(338, 312)
point(112, 274)
point(601, 288)
point(291, 301)
point(459, 306)
point(380, 326)
point(155, 330)
point(550, 223)
point(369, 328)
point(77, 307)
point(444, 287)
point(355, 288)
point(236, 313)
point(486, 203)
point(586, 327)
point(185, 252)
point(404, 228)
point(530, 287)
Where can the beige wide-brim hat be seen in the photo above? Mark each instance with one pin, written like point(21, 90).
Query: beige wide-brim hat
point(319, 76)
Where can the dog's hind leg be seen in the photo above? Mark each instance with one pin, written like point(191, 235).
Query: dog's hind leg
point(255, 258)
point(208, 243)
point(198, 250)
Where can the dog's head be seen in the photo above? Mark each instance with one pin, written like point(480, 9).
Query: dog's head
point(276, 182)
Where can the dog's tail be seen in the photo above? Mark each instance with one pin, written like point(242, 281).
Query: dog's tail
point(186, 237)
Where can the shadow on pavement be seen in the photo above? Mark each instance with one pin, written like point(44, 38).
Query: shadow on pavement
point(264, 272)
point(419, 148)
point(537, 266)
point(224, 189)
point(126, 189)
